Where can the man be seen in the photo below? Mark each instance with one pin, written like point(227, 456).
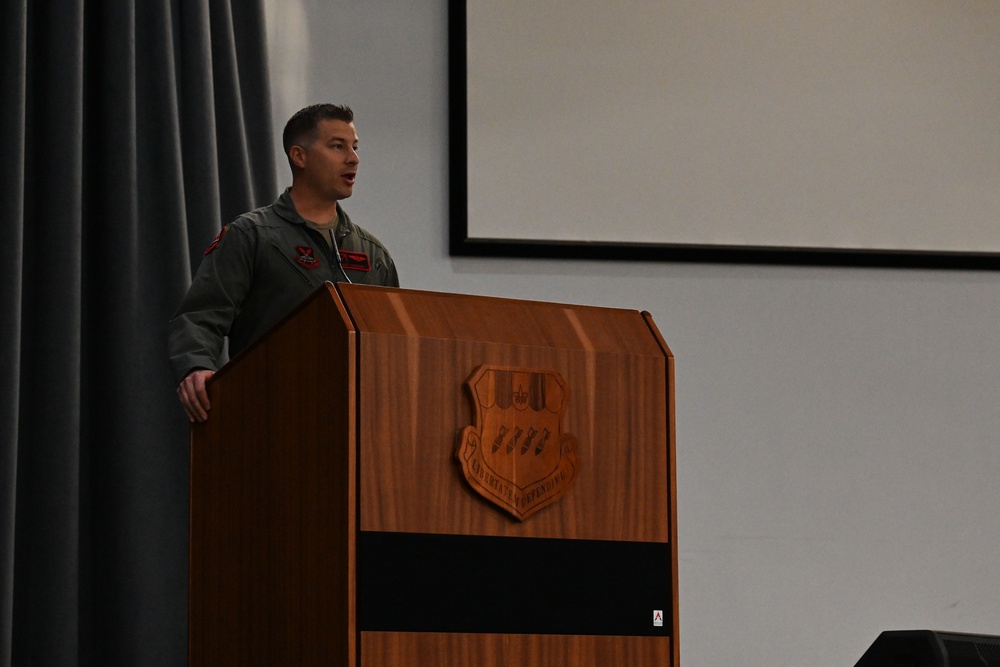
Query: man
point(267, 261)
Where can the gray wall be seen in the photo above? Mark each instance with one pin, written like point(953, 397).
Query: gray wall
point(837, 429)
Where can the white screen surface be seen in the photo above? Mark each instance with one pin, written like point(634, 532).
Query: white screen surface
point(779, 123)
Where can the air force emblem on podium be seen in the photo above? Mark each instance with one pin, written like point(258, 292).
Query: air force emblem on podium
point(516, 455)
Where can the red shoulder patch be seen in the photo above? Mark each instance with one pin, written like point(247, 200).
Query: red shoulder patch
point(218, 238)
point(356, 261)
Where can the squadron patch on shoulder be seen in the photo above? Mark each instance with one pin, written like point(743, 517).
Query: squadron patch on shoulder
point(356, 261)
point(218, 238)
point(306, 257)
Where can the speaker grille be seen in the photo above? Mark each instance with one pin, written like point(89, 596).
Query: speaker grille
point(971, 652)
point(929, 648)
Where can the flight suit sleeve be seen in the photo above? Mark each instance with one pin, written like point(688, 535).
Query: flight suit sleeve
point(213, 302)
point(391, 277)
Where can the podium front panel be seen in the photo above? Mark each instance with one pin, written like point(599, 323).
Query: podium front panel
point(416, 352)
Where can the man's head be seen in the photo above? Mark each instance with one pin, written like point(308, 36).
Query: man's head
point(301, 128)
point(321, 144)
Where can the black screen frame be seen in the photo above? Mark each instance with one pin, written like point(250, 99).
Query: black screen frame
point(462, 244)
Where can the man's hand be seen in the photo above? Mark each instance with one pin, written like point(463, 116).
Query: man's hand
point(193, 396)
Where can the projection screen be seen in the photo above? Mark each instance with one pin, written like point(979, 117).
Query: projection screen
point(862, 132)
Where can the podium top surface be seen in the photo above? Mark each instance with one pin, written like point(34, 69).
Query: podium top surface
point(498, 320)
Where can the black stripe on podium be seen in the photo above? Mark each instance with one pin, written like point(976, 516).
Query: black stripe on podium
point(411, 582)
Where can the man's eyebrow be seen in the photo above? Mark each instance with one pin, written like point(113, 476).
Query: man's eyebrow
point(339, 137)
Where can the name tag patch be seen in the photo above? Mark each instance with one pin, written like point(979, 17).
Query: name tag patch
point(355, 261)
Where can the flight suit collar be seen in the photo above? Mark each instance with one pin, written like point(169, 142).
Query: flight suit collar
point(285, 208)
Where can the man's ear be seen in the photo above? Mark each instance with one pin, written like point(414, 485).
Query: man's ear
point(297, 156)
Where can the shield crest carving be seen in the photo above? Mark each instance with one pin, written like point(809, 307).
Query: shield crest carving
point(516, 455)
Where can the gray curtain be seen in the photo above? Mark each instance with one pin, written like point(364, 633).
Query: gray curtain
point(129, 131)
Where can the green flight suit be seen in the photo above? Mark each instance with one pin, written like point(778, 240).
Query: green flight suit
point(258, 269)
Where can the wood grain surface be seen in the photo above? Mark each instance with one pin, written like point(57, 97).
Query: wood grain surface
point(480, 650)
point(425, 345)
point(273, 500)
point(346, 417)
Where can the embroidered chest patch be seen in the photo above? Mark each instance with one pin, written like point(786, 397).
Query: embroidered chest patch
point(306, 257)
point(356, 261)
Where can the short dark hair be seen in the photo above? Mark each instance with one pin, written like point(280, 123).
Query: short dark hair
point(301, 127)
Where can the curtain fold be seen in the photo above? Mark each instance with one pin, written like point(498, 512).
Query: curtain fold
point(132, 130)
point(13, 65)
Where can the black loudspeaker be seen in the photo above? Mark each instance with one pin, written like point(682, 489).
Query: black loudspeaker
point(929, 648)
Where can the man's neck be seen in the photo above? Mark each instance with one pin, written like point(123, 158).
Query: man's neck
point(313, 208)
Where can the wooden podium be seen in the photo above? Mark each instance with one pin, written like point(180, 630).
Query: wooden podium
point(352, 503)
